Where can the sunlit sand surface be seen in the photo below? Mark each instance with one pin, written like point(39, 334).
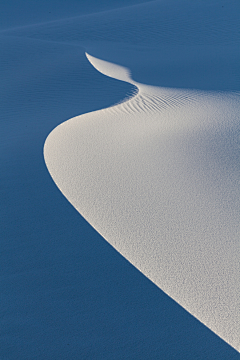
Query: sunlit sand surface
point(157, 177)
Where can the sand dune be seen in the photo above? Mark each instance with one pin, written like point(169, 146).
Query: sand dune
point(150, 157)
point(145, 174)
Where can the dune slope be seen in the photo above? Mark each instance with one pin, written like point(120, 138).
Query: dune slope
point(157, 175)
point(149, 176)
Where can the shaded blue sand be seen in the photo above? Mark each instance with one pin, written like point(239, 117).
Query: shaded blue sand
point(189, 44)
point(21, 13)
point(65, 292)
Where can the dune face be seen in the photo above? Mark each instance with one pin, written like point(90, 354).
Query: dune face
point(149, 157)
point(149, 176)
point(158, 175)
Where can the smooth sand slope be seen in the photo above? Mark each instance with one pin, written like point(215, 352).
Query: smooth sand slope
point(157, 175)
point(150, 175)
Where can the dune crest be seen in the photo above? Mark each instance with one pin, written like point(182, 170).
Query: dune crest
point(150, 176)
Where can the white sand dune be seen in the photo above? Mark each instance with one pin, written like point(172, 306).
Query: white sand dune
point(148, 175)
point(156, 174)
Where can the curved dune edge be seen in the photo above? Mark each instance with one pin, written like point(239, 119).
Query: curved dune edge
point(157, 177)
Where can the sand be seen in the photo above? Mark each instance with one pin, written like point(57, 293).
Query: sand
point(149, 176)
point(149, 158)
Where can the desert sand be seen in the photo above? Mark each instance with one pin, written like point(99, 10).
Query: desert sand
point(136, 108)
